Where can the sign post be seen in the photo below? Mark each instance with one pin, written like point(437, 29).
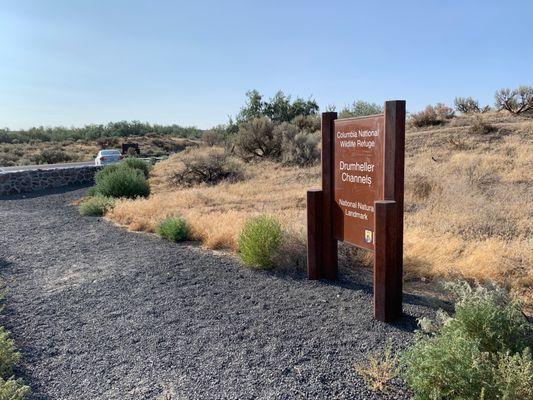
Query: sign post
point(362, 200)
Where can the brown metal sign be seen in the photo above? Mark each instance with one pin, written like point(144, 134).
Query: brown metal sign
point(361, 200)
point(358, 178)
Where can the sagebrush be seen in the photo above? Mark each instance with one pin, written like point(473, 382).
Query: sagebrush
point(483, 351)
point(206, 165)
point(121, 181)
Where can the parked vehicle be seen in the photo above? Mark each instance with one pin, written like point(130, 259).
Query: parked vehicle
point(131, 149)
point(106, 157)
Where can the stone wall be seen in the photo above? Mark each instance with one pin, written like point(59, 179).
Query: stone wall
point(29, 181)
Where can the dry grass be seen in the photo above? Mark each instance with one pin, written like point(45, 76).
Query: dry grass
point(379, 370)
point(468, 206)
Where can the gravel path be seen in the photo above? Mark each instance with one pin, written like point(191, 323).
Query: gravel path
point(100, 313)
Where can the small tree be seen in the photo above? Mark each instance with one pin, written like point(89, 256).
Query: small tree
point(515, 101)
point(360, 108)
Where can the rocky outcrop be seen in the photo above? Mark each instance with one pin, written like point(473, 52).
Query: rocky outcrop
point(39, 179)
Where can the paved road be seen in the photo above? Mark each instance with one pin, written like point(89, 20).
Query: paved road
point(45, 166)
point(101, 313)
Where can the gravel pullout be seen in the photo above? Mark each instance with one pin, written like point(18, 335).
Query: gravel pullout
point(101, 313)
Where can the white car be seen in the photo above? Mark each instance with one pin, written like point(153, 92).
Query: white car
point(106, 157)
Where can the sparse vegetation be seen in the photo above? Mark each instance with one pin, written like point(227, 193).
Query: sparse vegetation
point(380, 368)
point(468, 105)
point(482, 352)
point(432, 115)
point(480, 127)
point(96, 205)
point(173, 229)
point(70, 150)
point(205, 165)
point(517, 101)
point(259, 241)
point(120, 180)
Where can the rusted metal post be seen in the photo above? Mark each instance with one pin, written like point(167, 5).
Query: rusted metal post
point(329, 247)
point(387, 266)
point(314, 233)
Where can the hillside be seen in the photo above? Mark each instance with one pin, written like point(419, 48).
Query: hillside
point(468, 209)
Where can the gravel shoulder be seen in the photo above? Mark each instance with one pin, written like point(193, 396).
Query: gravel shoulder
point(101, 313)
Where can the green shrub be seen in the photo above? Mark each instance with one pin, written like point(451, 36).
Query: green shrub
point(173, 229)
point(482, 352)
point(259, 241)
point(51, 157)
point(488, 314)
point(135, 163)
point(360, 108)
point(297, 147)
point(257, 139)
point(206, 165)
point(13, 389)
point(120, 181)
point(97, 205)
point(8, 356)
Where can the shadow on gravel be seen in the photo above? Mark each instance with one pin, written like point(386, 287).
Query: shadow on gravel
point(45, 192)
point(362, 281)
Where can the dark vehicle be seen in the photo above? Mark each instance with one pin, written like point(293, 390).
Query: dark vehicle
point(131, 149)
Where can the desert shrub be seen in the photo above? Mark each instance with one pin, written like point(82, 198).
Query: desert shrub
point(360, 108)
point(482, 352)
point(469, 105)
point(259, 241)
point(173, 229)
point(297, 147)
point(432, 115)
point(96, 205)
point(307, 123)
point(8, 356)
point(212, 138)
point(136, 163)
point(13, 389)
point(50, 156)
point(207, 165)
point(480, 127)
point(121, 181)
point(421, 186)
point(257, 138)
point(517, 101)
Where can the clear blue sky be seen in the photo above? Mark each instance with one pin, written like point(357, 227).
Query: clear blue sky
point(68, 62)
